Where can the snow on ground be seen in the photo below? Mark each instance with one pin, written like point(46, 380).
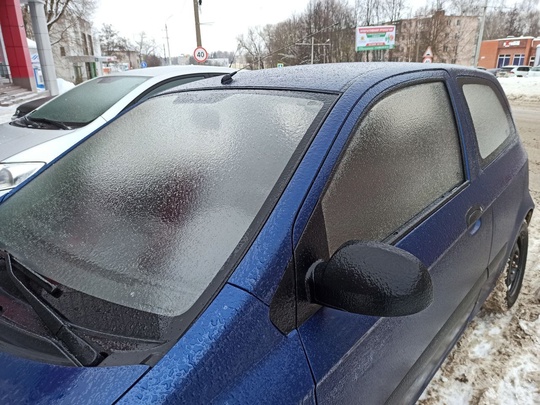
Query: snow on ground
point(6, 113)
point(521, 88)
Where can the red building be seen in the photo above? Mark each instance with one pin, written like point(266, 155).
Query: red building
point(508, 51)
point(17, 58)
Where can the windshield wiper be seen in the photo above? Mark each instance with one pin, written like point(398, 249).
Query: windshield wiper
point(75, 347)
point(57, 124)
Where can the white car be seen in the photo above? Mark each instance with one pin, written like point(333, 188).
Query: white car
point(534, 72)
point(513, 71)
point(30, 142)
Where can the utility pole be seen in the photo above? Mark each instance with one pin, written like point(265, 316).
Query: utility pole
point(312, 48)
point(480, 35)
point(168, 47)
point(197, 23)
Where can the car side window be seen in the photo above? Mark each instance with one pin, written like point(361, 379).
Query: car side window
point(491, 121)
point(404, 156)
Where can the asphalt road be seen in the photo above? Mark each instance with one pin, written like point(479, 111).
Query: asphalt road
point(527, 118)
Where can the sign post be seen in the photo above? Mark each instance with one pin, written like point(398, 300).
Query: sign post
point(428, 55)
point(200, 54)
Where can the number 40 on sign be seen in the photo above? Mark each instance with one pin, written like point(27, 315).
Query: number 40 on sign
point(200, 54)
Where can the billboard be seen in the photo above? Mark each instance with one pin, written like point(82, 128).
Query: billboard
point(375, 37)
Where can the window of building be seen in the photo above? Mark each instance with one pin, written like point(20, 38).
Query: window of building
point(456, 36)
point(62, 51)
point(454, 61)
point(503, 60)
point(90, 44)
point(401, 159)
point(458, 22)
point(85, 43)
point(519, 59)
point(491, 123)
point(531, 61)
point(447, 35)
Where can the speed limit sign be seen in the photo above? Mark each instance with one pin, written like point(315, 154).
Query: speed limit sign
point(200, 54)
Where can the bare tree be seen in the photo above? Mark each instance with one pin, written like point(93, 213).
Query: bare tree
point(58, 10)
point(111, 42)
point(256, 45)
point(522, 19)
point(146, 49)
point(329, 24)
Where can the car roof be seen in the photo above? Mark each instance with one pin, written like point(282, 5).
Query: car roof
point(173, 70)
point(330, 77)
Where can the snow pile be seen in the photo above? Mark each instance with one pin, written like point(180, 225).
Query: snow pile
point(6, 113)
point(521, 88)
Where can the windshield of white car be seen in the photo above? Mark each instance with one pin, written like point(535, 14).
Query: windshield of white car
point(84, 103)
point(147, 211)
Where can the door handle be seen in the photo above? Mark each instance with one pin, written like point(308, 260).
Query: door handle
point(473, 215)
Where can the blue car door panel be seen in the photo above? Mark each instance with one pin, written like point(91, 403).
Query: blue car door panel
point(360, 359)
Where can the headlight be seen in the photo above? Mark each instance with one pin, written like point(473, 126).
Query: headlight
point(13, 174)
point(16, 115)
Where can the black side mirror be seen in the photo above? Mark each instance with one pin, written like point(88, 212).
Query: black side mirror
point(371, 278)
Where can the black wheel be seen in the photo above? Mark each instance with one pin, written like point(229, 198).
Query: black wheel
point(515, 269)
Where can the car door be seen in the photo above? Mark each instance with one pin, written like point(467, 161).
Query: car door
point(398, 172)
point(503, 168)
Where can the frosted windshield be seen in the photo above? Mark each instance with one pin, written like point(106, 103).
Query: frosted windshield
point(146, 212)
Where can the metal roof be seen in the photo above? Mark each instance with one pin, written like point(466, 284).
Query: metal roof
point(330, 77)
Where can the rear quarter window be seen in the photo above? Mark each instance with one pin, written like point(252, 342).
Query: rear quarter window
point(491, 120)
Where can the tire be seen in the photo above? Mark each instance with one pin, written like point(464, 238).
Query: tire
point(515, 268)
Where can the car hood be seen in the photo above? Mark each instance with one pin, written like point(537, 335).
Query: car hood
point(14, 139)
point(23, 381)
point(40, 145)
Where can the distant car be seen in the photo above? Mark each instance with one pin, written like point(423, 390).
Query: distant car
point(311, 234)
point(29, 142)
point(534, 72)
point(513, 71)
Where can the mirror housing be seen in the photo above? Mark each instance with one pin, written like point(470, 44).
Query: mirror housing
point(371, 278)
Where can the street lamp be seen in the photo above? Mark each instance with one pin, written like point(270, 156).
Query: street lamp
point(167, 38)
point(480, 35)
point(312, 44)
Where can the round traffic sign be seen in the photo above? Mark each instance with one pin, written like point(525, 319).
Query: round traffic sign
point(200, 54)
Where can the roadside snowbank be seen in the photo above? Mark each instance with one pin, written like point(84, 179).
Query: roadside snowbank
point(6, 113)
point(521, 88)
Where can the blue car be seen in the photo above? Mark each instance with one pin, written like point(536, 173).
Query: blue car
point(315, 234)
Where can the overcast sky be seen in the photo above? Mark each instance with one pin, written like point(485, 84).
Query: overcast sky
point(222, 21)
